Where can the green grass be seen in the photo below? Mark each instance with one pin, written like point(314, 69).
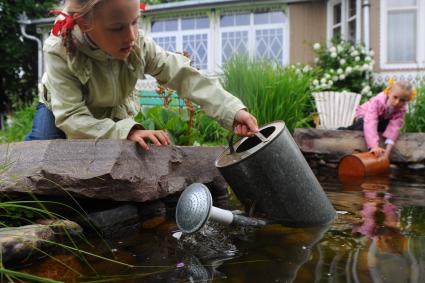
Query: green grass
point(21, 125)
point(269, 91)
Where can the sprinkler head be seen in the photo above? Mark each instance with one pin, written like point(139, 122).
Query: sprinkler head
point(194, 208)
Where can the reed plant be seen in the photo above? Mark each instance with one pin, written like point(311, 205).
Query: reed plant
point(270, 92)
point(415, 117)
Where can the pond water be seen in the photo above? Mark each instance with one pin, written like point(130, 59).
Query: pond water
point(378, 236)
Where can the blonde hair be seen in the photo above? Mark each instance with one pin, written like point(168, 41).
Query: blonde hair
point(403, 85)
point(84, 9)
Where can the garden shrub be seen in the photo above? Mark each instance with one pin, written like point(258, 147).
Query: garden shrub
point(415, 117)
point(343, 66)
point(20, 126)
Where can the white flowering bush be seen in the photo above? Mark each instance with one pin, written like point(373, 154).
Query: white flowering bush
point(343, 66)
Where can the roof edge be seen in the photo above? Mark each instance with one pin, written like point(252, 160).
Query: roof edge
point(205, 4)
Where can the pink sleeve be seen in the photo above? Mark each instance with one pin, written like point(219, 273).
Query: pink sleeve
point(370, 124)
point(393, 129)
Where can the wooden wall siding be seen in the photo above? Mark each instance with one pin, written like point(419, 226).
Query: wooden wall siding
point(307, 25)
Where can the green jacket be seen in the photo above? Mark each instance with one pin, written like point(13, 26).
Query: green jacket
point(92, 95)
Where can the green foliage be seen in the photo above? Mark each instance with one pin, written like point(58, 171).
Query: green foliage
point(415, 118)
point(343, 66)
point(209, 130)
point(173, 120)
point(269, 91)
point(18, 64)
point(21, 125)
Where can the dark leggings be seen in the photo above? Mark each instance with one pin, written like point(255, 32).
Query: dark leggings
point(358, 125)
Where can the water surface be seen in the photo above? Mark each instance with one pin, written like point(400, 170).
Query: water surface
point(378, 236)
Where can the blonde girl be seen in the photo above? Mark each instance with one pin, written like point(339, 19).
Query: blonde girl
point(384, 113)
point(93, 59)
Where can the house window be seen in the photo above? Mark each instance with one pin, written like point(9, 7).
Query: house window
point(190, 34)
point(344, 19)
point(401, 31)
point(234, 35)
point(164, 33)
point(214, 39)
point(259, 35)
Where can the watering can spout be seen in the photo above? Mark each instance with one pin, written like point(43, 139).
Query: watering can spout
point(194, 209)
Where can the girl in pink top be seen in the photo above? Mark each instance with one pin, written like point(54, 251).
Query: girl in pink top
point(384, 113)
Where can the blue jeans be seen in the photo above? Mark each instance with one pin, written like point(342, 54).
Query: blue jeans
point(43, 125)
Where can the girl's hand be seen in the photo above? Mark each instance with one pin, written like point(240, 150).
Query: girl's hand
point(378, 151)
point(245, 124)
point(157, 137)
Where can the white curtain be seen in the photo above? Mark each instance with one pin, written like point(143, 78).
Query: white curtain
point(402, 34)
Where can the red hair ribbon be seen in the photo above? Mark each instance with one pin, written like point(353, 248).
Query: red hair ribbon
point(143, 6)
point(67, 23)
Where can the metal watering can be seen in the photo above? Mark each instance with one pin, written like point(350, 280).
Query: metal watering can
point(271, 178)
point(195, 208)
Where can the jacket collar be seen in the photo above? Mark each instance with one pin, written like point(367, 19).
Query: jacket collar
point(85, 47)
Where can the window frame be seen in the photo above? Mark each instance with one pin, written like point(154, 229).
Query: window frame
point(252, 29)
point(179, 33)
point(215, 35)
point(345, 19)
point(420, 37)
point(196, 31)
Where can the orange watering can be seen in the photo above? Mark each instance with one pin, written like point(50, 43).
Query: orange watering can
point(363, 164)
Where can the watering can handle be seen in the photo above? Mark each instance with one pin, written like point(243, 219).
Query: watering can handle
point(257, 134)
point(230, 141)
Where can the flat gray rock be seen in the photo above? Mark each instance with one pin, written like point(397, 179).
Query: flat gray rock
point(105, 169)
point(334, 144)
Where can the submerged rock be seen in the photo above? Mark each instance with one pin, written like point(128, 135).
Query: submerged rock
point(112, 222)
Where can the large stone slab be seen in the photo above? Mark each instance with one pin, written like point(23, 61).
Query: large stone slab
point(333, 144)
point(104, 169)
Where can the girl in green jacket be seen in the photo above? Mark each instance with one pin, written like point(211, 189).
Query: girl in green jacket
point(93, 60)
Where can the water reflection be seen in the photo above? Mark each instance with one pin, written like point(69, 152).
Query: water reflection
point(275, 254)
point(379, 251)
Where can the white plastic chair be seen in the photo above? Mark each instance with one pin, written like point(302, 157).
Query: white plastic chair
point(336, 109)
